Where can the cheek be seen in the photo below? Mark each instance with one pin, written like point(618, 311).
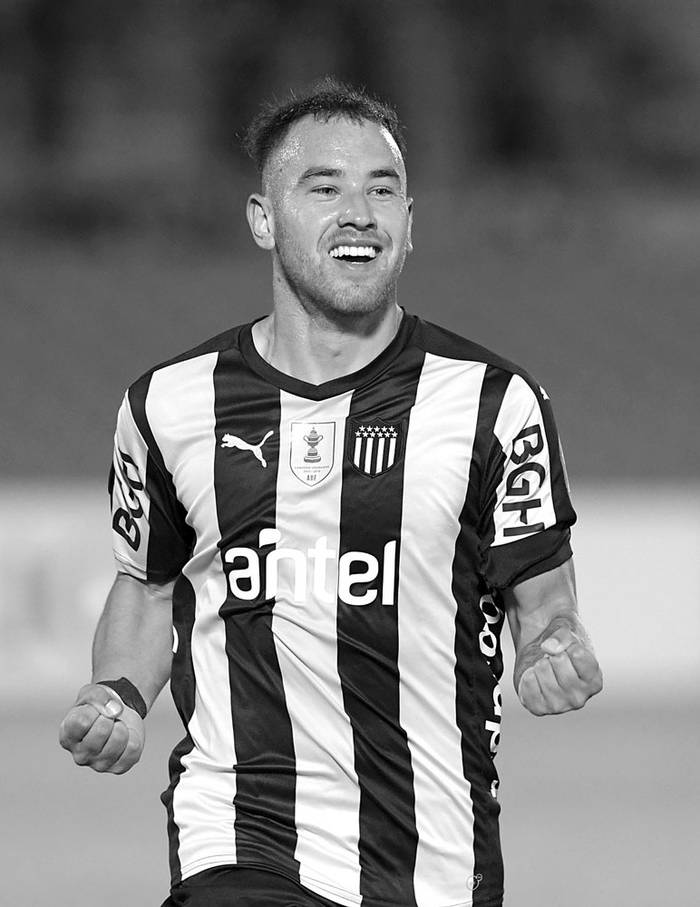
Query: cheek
point(395, 219)
point(296, 246)
point(295, 221)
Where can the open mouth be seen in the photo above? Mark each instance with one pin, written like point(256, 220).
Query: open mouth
point(355, 254)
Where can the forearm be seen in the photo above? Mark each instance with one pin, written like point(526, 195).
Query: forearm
point(134, 636)
point(555, 667)
point(539, 606)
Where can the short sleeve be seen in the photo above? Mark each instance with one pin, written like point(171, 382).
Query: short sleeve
point(528, 512)
point(150, 537)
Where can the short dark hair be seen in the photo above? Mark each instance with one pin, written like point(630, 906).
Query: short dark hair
point(324, 99)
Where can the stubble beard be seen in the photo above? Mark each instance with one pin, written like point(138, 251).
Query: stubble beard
point(318, 293)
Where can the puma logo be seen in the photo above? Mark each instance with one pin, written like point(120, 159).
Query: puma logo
point(240, 444)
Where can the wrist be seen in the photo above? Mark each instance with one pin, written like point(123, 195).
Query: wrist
point(129, 694)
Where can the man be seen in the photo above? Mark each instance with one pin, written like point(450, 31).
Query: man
point(330, 510)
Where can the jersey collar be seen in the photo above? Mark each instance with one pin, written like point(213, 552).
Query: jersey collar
point(336, 386)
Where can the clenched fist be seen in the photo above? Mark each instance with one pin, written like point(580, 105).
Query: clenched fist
point(100, 731)
point(557, 671)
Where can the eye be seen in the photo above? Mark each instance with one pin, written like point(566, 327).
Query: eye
point(324, 190)
point(382, 191)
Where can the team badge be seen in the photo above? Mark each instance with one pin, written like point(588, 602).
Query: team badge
point(312, 451)
point(375, 446)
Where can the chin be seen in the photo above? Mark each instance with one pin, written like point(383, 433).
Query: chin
point(356, 299)
point(358, 303)
point(337, 296)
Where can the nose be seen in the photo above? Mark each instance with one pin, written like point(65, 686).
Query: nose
point(357, 212)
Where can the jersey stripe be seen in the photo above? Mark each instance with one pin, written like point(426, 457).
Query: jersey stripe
point(202, 680)
point(170, 538)
point(304, 630)
point(478, 691)
point(531, 510)
point(559, 479)
point(445, 408)
point(183, 688)
point(368, 648)
point(245, 479)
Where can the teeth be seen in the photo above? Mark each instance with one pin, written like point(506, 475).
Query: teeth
point(354, 252)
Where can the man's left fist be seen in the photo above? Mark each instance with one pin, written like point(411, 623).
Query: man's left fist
point(557, 672)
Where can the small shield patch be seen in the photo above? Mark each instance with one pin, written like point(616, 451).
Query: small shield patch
point(375, 446)
point(312, 451)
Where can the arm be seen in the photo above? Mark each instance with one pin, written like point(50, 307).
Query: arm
point(134, 636)
point(133, 640)
point(555, 667)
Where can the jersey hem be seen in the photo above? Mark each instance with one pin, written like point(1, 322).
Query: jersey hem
point(538, 553)
point(306, 881)
point(315, 886)
point(159, 577)
point(128, 567)
point(560, 556)
point(189, 869)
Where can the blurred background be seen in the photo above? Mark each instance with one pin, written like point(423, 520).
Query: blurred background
point(554, 157)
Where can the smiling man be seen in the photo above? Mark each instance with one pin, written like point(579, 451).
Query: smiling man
point(336, 216)
point(320, 521)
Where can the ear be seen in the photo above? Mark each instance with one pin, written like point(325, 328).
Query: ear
point(261, 220)
point(409, 240)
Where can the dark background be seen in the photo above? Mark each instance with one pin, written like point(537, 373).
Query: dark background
point(554, 155)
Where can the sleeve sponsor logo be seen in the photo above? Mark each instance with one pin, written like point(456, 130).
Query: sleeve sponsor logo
point(127, 485)
point(524, 480)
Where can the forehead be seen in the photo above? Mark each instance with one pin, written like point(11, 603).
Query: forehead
point(337, 143)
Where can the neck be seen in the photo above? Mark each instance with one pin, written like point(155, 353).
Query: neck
point(316, 348)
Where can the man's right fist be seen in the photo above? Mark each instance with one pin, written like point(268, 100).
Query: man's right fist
point(100, 731)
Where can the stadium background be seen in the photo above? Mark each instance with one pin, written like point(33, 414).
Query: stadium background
point(555, 161)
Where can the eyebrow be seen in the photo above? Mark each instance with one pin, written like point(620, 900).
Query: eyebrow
point(334, 172)
point(384, 173)
point(312, 172)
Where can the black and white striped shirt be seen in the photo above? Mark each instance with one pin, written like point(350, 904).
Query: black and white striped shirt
point(338, 550)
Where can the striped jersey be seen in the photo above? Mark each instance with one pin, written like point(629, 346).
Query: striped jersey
point(339, 551)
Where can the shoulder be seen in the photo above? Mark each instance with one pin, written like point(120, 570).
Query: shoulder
point(439, 342)
point(198, 357)
point(155, 400)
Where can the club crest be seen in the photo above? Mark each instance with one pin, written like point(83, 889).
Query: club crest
point(375, 446)
point(312, 451)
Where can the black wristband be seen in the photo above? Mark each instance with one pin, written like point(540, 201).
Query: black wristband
point(128, 693)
